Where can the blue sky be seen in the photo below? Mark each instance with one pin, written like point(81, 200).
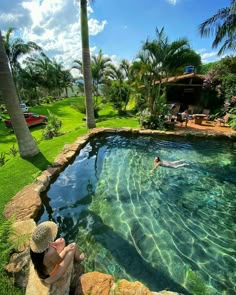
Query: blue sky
point(118, 27)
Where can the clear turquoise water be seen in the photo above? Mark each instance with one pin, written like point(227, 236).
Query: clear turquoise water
point(170, 229)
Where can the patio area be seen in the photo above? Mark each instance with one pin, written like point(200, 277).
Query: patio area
point(206, 127)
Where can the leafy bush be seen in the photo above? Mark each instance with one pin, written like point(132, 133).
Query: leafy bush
point(52, 127)
point(154, 122)
point(82, 108)
point(48, 99)
point(232, 119)
point(118, 95)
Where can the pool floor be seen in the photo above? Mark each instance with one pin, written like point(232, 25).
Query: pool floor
point(171, 229)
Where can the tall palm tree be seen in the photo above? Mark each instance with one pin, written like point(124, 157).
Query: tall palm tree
point(26, 143)
point(99, 64)
point(161, 58)
point(16, 48)
point(223, 26)
point(86, 64)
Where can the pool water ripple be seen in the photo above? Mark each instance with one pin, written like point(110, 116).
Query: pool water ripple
point(157, 227)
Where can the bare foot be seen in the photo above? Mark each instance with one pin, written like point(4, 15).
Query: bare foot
point(80, 257)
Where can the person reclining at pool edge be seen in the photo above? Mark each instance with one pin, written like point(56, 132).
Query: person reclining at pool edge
point(173, 164)
point(51, 258)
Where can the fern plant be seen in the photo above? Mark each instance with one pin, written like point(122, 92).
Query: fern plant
point(6, 246)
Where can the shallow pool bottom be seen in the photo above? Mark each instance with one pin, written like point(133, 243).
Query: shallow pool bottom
point(168, 229)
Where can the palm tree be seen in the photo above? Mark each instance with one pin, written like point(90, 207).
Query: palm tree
point(99, 65)
point(160, 58)
point(86, 64)
point(121, 75)
point(223, 26)
point(26, 143)
point(16, 48)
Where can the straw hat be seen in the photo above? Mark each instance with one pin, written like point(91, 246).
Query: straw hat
point(44, 234)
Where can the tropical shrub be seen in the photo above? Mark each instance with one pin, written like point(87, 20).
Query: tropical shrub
point(82, 108)
point(48, 99)
point(52, 127)
point(232, 118)
point(118, 95)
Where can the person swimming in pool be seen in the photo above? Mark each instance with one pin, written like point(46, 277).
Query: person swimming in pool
point(173, 164)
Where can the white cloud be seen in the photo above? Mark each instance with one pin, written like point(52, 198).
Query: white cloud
point(9, 17)
point(208, 54)
point(95, 27)
point(53, 25)
point(173, 2)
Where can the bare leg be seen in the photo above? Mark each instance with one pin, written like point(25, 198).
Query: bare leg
point(60, 244)
point(176, 162)
point(181, 165)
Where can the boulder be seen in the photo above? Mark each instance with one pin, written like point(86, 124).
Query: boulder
point(132, 288)
point(22, 231)
point(24, 205)
point(94, 283)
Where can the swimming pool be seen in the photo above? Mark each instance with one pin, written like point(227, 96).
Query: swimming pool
point(170, 229)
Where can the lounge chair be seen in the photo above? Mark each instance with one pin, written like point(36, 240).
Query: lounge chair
point(224, 120)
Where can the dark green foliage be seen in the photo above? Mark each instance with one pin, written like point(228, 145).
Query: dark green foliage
point(118, 95)
point(5, 246)
point(229, 85)
point(52, 127)
point(206, 68)
point(232, 118)
point(220, 83)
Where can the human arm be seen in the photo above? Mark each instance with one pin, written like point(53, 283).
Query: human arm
point(156, 164)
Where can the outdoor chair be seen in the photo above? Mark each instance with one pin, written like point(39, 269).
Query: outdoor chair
point(182, 117)
point(224, 120)
point(175, 109)
point(206, 112)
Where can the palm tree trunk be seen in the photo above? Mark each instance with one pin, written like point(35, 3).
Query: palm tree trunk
point(26, 143)
point(86, 64)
